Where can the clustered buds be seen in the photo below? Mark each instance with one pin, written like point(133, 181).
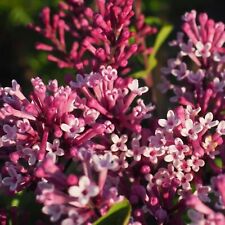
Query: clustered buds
point(91, 144)
point(98, 37)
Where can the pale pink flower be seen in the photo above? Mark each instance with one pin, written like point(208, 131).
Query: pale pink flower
point(84, 191)
point(55, 211)
point(172, 64)
point(203, 192)
point(186, 49)
point(13, 180)
point(163, 175)
point(53, 85)
point(171, 122)
point(142, 111)
point(182, 166)
point(74, 218)
point(32, 154)
point(93, 79)
point(191, 130)
point(221, 128)
point(23, 125)
point(210, 146)
point(190, 112)
point(134, 87)
point(195, 163)
point(196, 77)
point(136, 150)
point(108, 161)
point(181, 147)
point(158, 140)
point(153, 154)
point(112, 95)
point(10, 133)
point(108, 73)
point(208, 121)
point(189, 16)
point(218, 85)
point(185, 179)
point(54, 150)
point(109, 127)
point(119, 143)
point(173, 155)
point(182, 72)
point(74, 127)
point(90, 115)
point(203, 50)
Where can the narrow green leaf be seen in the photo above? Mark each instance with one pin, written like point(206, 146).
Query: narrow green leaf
point(160, 39)
point(152, 64)
point(118, 214)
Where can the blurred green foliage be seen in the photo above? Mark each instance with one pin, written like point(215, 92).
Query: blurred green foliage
point(22, 12)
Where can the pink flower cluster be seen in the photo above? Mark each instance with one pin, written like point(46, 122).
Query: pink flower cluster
point(86, 146)
point(98, 37)
point(203, 44)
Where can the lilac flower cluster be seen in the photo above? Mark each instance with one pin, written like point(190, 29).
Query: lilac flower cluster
point(99, 37)
point(84, 147)
point(203, 86)
point(87, 123)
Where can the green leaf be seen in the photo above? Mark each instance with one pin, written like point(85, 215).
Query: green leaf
point(151, 20)
point(152, 61)
point(118, 214)
point(160, 39)
point(19, 15)
point(219, 162)
point(139, 74)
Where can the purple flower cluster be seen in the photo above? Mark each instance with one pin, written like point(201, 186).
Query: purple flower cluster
point(86, 146)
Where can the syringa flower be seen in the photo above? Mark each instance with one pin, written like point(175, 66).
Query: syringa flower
point(171, 121)
point(105, 162)
point(119, 143)
point(13, 180)
point(191, 130)
point(54, 150)
point(84, 191)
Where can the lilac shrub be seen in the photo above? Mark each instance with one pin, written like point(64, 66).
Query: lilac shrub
point(84, 147)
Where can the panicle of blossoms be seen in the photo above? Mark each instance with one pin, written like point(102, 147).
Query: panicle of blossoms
point(74, 200)
point(100, 36)
point(202, 41)
point(95, 124)
point(176, 154)
point(30, 128)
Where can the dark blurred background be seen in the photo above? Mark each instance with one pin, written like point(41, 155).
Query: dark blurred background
point(19, 60)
